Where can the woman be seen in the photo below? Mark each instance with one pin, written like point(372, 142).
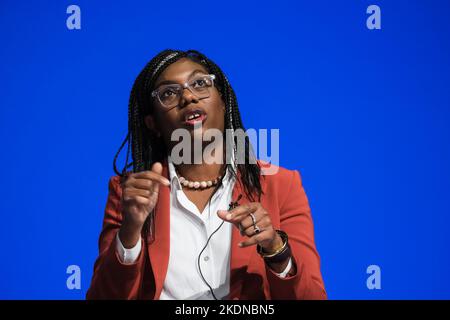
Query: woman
point(200, 229)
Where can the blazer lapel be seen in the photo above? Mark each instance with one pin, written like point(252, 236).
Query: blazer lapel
point(159, 250)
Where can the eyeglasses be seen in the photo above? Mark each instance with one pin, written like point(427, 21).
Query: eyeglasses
point(169, 95)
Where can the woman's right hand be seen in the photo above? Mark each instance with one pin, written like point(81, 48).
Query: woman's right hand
point(139, 197)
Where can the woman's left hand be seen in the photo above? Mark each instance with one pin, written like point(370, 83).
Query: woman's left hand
point(241, 217)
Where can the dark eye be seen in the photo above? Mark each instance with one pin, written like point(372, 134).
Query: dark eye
point(200, 83)
point(167, 92)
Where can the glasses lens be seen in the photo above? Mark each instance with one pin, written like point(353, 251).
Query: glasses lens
point(200, 86)
point(169, 95)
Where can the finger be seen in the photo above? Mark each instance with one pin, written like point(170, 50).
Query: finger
point(155, 190)
point(157, 168)
point(262, 224)
point(139, 184)
point(130, 192)
point(257, 238)
point(142, 201)
point(144, 184)
point(261, 218)
point(240, 212)
point(223, 214)
point(152, 175)
point(251, 231)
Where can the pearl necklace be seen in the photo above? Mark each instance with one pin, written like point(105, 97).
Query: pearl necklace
point(199, 184)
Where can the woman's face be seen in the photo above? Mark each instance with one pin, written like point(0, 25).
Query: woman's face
point(211, 109)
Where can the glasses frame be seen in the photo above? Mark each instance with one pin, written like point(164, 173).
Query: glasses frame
point(155, 93)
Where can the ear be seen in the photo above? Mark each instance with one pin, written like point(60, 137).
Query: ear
point(150, 123)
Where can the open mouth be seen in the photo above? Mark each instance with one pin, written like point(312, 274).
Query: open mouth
point(194, 117)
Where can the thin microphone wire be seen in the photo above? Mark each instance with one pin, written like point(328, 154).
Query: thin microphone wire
point(232, 205)
point(209, 238)
point(198, 262)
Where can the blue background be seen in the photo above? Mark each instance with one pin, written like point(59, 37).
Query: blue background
point(363, 114)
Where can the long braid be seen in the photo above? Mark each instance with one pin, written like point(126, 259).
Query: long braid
point(146, 148)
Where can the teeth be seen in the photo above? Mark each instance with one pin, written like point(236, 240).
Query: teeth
point(194, 115)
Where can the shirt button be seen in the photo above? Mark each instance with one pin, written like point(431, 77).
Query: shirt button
point(206, 258)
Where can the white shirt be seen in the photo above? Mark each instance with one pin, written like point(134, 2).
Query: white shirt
point(189, 232)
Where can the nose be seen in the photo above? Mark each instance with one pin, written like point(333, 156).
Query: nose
point(187, 97)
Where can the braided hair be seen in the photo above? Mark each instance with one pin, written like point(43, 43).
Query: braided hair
point(148, 148)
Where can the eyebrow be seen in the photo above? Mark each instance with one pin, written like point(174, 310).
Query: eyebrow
point(174, 82)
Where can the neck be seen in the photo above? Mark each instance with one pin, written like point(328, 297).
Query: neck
point(201, 172)
point(208, 169)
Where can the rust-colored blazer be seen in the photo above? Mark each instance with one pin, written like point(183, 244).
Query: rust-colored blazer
point(283, 197)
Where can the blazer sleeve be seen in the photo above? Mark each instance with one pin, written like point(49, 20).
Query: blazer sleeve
point(113, 279)
point(296, 221)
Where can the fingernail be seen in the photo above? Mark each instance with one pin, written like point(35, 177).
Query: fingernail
point(229, 216)
point(240, 244)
